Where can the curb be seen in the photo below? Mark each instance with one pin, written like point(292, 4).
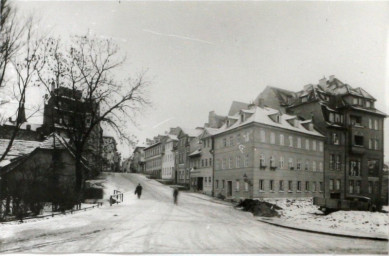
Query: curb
point(325, 233)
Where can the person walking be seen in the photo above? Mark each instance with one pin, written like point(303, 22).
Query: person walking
point(175, 195)
point(138, 190)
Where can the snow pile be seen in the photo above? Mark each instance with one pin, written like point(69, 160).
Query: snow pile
point(302, 213)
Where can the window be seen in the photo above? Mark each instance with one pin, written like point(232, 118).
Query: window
point(237, 185)
point(338, 118)
point(281, 186)
point(291, 141)
point(224, 163)
point(337, 184)
point(307, 144)
point(376, 144)
point(335, 138)
point(355, 168)
point(373, 167)
point(337, 162)
point(290, 186)
point(282, 139)
point(375, 124)
point(331, 184)
point(290, 163)
point(314, 166)
point(217, 183)
point(246, 186)
point(307, 165)
point(272, 138)
point(298, 186)
point(281, 162)
point(368, 103)
point(246, 161)
point(202, 162)
point(355, 101)
point(230, 162)
point(307, 186)
point(210, 162)
point(298, 142)
point(298, 167)
point(223, 184)
point(351, 186)
point(314, 145)
point(370, 187)
point(358, 140)
point(261, 185)
point(271, 185)
point(321, 146)
point(320, 166)
point(263, 136)
point(331, 117)
point(371, 143)
point(231, 141)
point(370, 123)
point(332, 161)
point(356, 120)
point(272, 162)
point(238, 162)
point(206, 162)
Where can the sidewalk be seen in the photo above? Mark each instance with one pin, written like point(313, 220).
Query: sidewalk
point(322, 230)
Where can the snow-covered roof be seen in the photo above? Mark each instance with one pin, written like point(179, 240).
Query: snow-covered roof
point(19, 148)
point(192, 132)
point(261, 115)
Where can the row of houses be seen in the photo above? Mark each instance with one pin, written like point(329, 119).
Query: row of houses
point(325, 140)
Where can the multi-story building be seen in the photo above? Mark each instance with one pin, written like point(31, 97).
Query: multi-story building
point(201, 162)
point(353, 127)
point(70, 116)
point(138, 160)
point(182, 151)
point(153, 158)
point(261, 153)
point(168, 158)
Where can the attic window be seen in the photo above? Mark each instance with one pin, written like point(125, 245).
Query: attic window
point(304, 99)
point(368, 104)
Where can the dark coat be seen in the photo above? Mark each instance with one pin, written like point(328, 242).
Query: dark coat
point(138, 190)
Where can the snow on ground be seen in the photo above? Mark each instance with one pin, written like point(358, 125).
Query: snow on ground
point(302, 213)
point(153, 224)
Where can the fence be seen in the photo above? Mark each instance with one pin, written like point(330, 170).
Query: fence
point(117, 197)
point(55, 214)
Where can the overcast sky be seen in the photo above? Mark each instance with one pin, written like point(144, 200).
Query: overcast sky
point(203, 55)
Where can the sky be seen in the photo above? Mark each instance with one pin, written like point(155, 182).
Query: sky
point(201, 56)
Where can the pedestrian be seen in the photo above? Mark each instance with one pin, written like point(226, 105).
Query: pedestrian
point(175, 195)
point(138, 190)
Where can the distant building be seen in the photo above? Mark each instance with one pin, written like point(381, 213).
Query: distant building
point(110, 155)
point(168, 158)
point(138, 160)
point(201, 162)
point(153, 159)
point(182, 154)
point(262, 153)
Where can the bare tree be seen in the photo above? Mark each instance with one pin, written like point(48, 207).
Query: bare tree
point(89, 68)
point(26, 64)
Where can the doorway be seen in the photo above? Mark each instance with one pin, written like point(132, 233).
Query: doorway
point(229, 188)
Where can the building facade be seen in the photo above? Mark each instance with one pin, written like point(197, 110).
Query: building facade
point(261, 153)
point(110, 155)
point(168, 158)
point(138, 160)
point(153, 160)
point(353, 128)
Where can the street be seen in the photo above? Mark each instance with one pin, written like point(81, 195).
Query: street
point(154, 224)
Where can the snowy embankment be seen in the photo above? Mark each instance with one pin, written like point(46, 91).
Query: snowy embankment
point(303, 214)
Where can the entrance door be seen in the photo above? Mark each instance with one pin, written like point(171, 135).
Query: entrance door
point(200, 183)
point(229, 188)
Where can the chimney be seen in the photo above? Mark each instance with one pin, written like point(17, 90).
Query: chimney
point(323, 82)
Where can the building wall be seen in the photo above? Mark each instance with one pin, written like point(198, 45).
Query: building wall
point(168, 163)
point(247, 170)
point(153, 160)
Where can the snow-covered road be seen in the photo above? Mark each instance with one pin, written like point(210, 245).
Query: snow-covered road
point(154, 224)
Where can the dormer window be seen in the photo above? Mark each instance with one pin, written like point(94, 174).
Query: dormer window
point(304, 99)
point(368, 104)
point(242, 118)
point(278, 118)
point(355, 101)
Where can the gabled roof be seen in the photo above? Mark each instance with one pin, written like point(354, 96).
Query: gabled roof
point(192, 132)
point(262, 116)
point(236, 106)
